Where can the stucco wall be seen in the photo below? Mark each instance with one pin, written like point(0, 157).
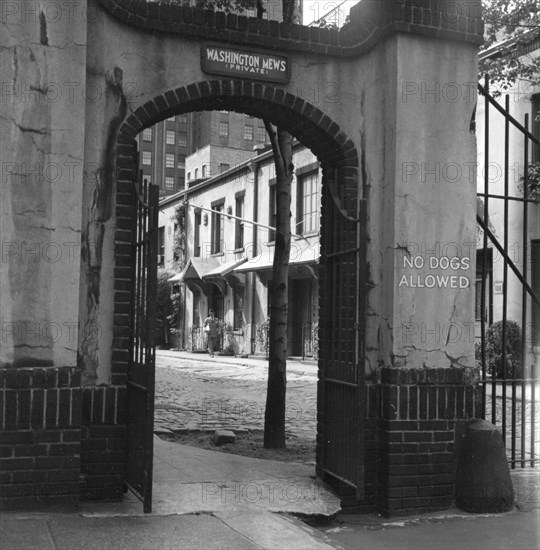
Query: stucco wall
point(42, 62)
point(364, 96)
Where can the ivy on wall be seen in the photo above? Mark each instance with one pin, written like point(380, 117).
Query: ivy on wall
point(533, 181)
point(179, 243)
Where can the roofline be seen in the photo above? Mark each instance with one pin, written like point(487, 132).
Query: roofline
point(533, 35)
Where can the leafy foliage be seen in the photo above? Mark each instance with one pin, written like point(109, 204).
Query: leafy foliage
point(164, 305)
point(262, 336)
point(494, 350)
point(511, 23)
point(533, 181)
point(218, 5)
point(179, 244)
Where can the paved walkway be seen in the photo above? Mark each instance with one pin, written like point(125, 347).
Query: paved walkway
point(189, 479)
point(202, 499)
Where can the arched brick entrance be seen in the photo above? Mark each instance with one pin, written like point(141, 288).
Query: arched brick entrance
point(341, 313)
point(388, 122)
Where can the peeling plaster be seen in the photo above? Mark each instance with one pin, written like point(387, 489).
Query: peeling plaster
point(93, 237)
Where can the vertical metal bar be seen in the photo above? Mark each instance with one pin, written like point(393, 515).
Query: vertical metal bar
point(505, 264)
point(133, 335)
point(484, 260)
point(524, 295)
point(142, 304)
point(360, 345)
point(153, 201)
point(139, 275)
point(533, 412)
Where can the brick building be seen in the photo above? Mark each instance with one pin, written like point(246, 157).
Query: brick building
point(228, 261)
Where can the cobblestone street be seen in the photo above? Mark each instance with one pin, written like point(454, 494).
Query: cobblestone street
point(194, 392)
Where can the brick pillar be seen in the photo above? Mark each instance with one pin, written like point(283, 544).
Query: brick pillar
point(420, 409)
point(421, 254)
point(105, 406)
point(40, 421)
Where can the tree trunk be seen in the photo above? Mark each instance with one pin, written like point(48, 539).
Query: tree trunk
point(274, 417)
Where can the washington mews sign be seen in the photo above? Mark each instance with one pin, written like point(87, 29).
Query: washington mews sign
point(243, 63)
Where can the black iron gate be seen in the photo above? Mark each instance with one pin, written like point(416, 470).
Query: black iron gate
point(508, 287)
point(341, 344)
point(141, 371)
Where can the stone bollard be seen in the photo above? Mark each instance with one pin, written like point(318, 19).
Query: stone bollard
point(483, 482)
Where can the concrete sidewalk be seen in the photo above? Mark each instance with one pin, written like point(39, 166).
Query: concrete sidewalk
point(202, 499)
point(191, 480)
point(206, 499)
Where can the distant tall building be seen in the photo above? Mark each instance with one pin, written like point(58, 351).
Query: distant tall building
point(163, 149)
point(221, 140)
point(211, 141)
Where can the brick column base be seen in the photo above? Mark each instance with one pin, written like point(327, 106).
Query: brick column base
point(103, 443)
point(40, 433)
point(420, 409)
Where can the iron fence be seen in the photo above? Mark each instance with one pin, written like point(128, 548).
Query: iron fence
point(508, 272)
point(197, 340)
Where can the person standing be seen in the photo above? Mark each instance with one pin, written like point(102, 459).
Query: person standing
point(211, 328)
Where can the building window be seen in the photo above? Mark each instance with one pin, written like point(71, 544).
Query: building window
point(223, 129)
point(182, 119)
point(204, 171)
point(161, 246)
point(217, 227)
point(169, 182)
point(239, 224)
point(488, 313)
point(169, 160)
point(170, 119)
point(535, 284)
point(196, 173)
point(146, 158)
point(307, 219)
point(197, 235)
point(273, 212)
point(261, 133)
point(238, 302)
point(147, 134)
point(248, 132)
point(188, 176)
point(170, 137)
point(182, 139)
point(223, 167)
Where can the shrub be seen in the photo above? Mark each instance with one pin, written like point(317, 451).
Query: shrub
point(164, 306)
point(494, 350)
point(533, 181)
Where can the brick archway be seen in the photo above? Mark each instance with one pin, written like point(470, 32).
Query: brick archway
point(302, 119)
point(337, 153)
point(340, 310)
